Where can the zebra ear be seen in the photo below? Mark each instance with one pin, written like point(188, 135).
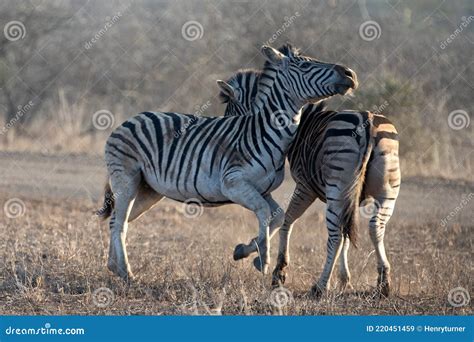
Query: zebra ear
point(274, 56)
point(226, 89)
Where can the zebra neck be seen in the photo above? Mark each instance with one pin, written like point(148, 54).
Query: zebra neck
point(274, 98)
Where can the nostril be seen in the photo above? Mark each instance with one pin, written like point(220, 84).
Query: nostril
point(348, 72)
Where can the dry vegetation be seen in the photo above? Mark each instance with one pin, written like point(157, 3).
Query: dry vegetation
point(53, 257)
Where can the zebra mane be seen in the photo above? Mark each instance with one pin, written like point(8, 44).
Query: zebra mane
point(239, 80)
point(236, 80)
point(290, 51)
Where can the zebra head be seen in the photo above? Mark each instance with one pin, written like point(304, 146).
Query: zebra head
point(307, 79)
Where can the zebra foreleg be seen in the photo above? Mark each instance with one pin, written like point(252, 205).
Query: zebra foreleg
point(242, 251)
point(243, 193)
point(300, 201)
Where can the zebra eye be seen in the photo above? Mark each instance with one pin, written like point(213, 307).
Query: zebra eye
point(306, 65)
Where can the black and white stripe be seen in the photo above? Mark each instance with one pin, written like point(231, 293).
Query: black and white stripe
point(214, 160)
point(342, 158)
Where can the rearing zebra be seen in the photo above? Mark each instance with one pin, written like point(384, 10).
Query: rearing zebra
point(213, 160)
point(340, 158)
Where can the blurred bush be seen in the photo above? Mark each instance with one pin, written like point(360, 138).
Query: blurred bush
point(79, 57)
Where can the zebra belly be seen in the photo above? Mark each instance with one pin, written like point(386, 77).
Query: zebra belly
point(208, 195)
point(208, 188)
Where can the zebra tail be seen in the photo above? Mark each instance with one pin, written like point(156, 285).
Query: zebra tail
point(106, 210)
point(353, 192)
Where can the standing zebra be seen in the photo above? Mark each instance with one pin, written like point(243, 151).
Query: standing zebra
point(340, 158)
point(213, 160)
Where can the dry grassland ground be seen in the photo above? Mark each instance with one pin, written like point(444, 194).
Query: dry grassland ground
point(53, 257)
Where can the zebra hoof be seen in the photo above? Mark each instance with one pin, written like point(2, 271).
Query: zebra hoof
point(317, 292)
point(258, 265)
point(384, 289)
point(239, 252)
point(112, 266)
point(278, 278)
point(128, 278)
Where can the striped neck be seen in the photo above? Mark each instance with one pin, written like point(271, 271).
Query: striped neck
point(274, 96)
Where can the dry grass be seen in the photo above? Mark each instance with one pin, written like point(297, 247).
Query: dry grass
point(54, 256)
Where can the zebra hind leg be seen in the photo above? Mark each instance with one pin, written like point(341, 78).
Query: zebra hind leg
point(383, 185)
point(384, 206)
point(377, 224)
point(125, 188)
point(344, 273)
point(334, 245)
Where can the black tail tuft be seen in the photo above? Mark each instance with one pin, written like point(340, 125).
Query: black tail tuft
point(106, 210)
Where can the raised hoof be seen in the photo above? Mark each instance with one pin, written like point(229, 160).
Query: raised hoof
point(239, 252)
point(258, 265)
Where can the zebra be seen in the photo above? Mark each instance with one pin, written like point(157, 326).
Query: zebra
point(213, 160)
point(341, 158)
